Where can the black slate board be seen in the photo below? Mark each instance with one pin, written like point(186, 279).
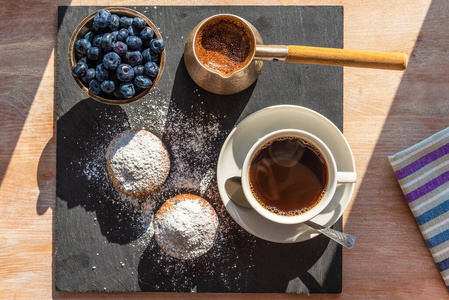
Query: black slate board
point(104, 244)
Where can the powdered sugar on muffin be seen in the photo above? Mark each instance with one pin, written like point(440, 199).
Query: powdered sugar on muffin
point(186, 226)
point(137, 162)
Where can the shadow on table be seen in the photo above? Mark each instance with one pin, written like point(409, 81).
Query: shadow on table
point(20, 47)
point(420, 109)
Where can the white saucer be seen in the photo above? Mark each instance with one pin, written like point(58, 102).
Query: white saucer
point(255, 126)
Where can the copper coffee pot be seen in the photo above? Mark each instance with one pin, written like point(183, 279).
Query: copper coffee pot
point(216, 81)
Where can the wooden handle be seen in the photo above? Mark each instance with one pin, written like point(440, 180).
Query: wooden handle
point(348, 58)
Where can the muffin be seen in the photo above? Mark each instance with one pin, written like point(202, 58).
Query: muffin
point(137, 162)
point(185, 226)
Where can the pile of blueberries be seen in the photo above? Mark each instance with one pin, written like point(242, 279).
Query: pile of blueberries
point(120, 56)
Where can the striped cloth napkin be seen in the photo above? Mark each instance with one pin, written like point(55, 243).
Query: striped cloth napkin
point(423, 174)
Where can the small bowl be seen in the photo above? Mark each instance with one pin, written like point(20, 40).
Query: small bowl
point(86, 26)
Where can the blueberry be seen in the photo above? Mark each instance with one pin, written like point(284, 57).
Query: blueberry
point(133, 31)
point(125, 73)
point(96, 27)
point(89, 36)
point(127, 90)
point(95, 86)
point(114, 34)
point(80, 69)
point(81, 46)
point(102, 18)
point(120, 48)
point(151, 69)
point(107, 41)
point(111, 60)
point(149, 56)
point(157, 45)
point(134, 42)
point(90, 74)
point(125, 22)
point(133, 58)
point(139, 22)
point(146, 34)
point(101, 73)
point(122, 35)
point(115, 23)
point(108, 86)
point(139, 70)
point(143, 82)
point(96, 42)
point(94, 54)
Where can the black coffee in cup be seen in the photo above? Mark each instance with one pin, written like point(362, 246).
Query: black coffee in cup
point(288, 176)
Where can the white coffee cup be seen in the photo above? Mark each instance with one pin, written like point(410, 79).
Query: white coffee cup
point(333, 175)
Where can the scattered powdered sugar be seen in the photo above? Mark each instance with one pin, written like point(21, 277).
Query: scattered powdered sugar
point(207, 179)
point(192, 143)
point(150, 115)
point(193, 134)
point(187, 228)
point(138, 162)
point(133, 216)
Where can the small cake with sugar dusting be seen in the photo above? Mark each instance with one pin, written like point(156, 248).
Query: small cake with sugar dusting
point(185, 226)
point(137, 162)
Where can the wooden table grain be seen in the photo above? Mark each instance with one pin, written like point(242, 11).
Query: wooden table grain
point(384, 112)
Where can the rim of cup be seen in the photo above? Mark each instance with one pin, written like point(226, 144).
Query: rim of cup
point(331, 170)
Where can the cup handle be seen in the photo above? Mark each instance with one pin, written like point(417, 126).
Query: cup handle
point(346, 177)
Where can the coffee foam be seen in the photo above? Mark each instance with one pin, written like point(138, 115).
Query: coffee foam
point(292, 213)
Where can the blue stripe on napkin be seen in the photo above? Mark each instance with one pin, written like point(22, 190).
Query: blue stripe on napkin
point(438, 239)
point(423, 174)
point(433, 213)
point(443, 265)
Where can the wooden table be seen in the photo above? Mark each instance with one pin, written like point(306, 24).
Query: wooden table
point(384, 112)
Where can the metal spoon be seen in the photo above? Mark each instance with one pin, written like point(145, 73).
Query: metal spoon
point(233, 187)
